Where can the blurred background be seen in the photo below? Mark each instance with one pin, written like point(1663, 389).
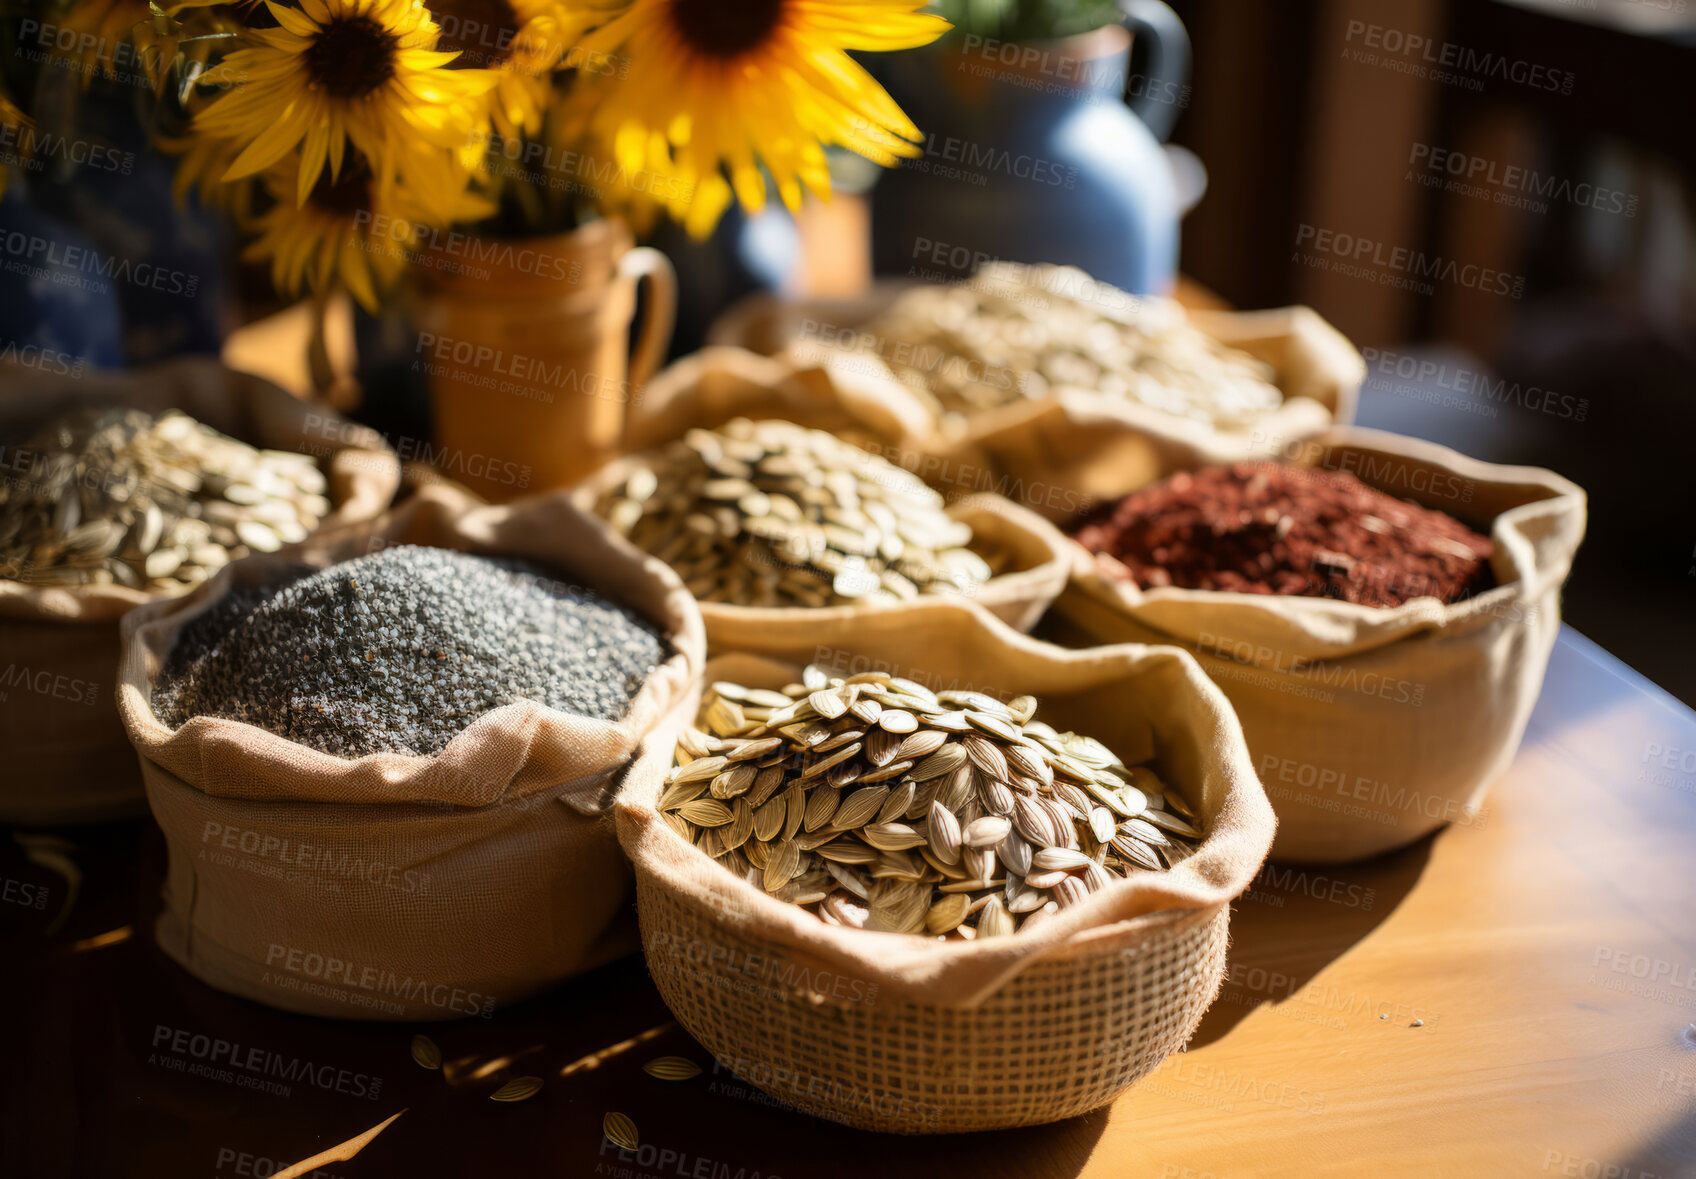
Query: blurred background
point(1491, 198)
point(1589, 367)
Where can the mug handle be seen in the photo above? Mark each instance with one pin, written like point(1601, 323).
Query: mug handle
point(653, 337)
point(1166, 64)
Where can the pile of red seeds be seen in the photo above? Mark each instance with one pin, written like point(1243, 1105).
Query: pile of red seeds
point(1264, 528)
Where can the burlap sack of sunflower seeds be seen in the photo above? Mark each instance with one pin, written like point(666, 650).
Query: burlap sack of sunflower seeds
point(874, 412)
point(69, 759)
point(1065, 452)
point(1372, 727)
point(406, 887)
point(898, 1033)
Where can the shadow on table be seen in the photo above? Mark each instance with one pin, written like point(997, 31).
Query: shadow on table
point(1297, 920)
point(1672, 1154)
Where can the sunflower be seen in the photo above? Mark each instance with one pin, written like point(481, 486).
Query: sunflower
point(349, 232)
point(734, 86)
point(202, 161)
point(339, 71)
point(523, 42)
point(103, 29)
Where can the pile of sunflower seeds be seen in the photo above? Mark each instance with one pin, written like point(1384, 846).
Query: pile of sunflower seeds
point(772, 514)
point(879, 804)
point(1016, 332)
point(119, 497)
point(399, 651)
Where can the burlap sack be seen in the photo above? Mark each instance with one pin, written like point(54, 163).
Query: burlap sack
point(69, 759)
point(710, 388)
point(1064, 453)
point(399, 887)
point(889, 1032)
point(1372, 727)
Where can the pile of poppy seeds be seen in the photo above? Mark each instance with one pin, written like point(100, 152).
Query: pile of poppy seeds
point(399, 651)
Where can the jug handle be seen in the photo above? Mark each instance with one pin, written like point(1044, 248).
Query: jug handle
point(653, 336)
point(1167, 63)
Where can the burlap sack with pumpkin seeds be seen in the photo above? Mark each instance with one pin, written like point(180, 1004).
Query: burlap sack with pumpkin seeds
point(404, 887)
point(713, 387)
point(69, 759)
point(1067, 451)
point(896, 1033)
point(1372, 727)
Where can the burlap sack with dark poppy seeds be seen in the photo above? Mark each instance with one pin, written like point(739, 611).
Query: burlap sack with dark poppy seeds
point(713, 387)
point(905, 1034)
point(1064, 453)
point(400, 887)
point(1372, 727)
point(69, 761)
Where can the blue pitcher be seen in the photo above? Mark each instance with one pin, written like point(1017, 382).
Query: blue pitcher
point(1039, 152)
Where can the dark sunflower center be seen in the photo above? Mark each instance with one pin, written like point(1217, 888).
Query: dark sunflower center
point(345, 197)
point(351, 57)
point(725, 28)
point(483, 32)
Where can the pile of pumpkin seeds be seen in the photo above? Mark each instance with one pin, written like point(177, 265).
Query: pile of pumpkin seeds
point(120, 497)
point(1017, 332)
point(879, 804)
point(773, 514)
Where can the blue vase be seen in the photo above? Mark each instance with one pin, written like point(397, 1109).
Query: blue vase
point(1036, 153)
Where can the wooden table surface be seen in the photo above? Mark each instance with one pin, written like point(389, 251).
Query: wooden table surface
point(1536, 968)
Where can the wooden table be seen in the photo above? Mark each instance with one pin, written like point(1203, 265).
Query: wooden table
point(1535, 968)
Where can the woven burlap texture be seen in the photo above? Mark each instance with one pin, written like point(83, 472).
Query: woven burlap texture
point(400, 887)
point(889, 1032)
point(1062, 453)
point(1373, 727)
point(712, 387)
point(69, 759)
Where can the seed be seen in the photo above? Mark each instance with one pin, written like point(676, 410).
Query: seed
point(425, 1052)
point(1058, 858)
point(821, 805)
point(986, 755)
point(1101, 824)
point(401, 650)
point(620, 1131)
point(944, 760)
point(119, 496)
point(672, 1068)
point(518, 1089)
point(920, 744)
point(944, 834)
point(861, 807)
point(828, 704)
point(703, 769)
point(946, 914)
point(756, 749)
point(936, 877)
point(895, 806)
point(891, 836)
point(1171, 823)
point(706, 812)
point(1016, 331)
point(994, 920)
point(773, 514)
point(985, 832)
